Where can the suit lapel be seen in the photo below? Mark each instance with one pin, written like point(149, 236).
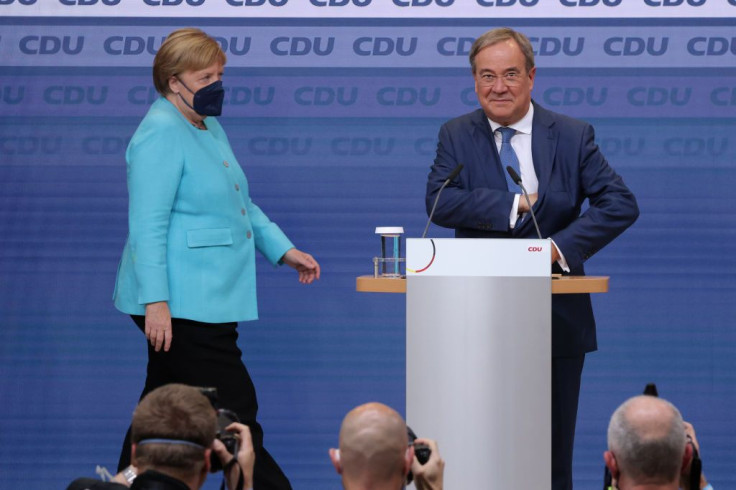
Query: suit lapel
point(544, 146)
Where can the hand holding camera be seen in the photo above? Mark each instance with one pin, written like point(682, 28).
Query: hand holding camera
point(428, 467)
point(225, 419)
point(233, 444)
point(238, 476)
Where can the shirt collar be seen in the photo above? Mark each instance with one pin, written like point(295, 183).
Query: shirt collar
point(155, 480)
point(524, 125)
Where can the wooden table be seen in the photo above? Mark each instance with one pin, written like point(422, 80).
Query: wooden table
point(560, 284)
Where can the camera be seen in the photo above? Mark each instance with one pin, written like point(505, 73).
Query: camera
point(225, 417)
point(421, 452)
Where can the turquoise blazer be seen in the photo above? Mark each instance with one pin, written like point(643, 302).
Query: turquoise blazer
point(193, 229)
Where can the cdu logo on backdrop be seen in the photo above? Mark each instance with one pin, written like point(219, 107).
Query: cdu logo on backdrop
point(173, 3)
point(269, 145)
point(384, 46)
point(340, 3)
point(84, 3)
point(256, 3)
point(575, 96)
point(324, 96)
point(362, 146)
point(30, 145)
point(674, 3)
point(423, 3)
point(247, 95)
point(723, 96)
point(506, 3)
point(711, 46)
point(107, 145)
point(135, 45)
point(33, 45)
point(12, 95)
point(455, 46)
point(132, 45)
point(694, 146)
point(590, 3)
point(615, 146)
point(552, 46)
point(75, 95)
point(635, 46)
point(659, 96)
point(301, 46)
point(408, 96)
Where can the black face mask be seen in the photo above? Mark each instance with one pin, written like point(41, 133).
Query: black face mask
point(207, 100)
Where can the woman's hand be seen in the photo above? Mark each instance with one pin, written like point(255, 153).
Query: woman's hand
point(305, 265)
point(158, 325)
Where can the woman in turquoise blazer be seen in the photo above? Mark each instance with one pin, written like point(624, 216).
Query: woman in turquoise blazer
point(187, 273)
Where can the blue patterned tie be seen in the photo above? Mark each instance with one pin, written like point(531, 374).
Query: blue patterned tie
point(508, 156)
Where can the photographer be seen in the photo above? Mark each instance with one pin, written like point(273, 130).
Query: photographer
point(173, 437)
point(650, 446)
point(375, 453)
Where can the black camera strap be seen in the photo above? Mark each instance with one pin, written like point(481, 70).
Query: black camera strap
point(226, 468)
point(696, 467)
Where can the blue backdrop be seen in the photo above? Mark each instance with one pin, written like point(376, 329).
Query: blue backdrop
point(335, 121)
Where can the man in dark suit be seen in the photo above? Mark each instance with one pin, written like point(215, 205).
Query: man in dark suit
point(561, 167)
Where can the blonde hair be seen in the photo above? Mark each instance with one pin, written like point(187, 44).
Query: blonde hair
point(184, 50)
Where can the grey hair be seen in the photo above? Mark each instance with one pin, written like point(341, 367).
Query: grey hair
point(647, 450)
point(498, 35)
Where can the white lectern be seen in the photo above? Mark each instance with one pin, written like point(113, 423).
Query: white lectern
point(478, 354)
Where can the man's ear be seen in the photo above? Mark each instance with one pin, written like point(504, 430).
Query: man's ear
point(408, 458)
point(205, 467)
point(132, 454)
point(687, 457)
point(207, 460)
point(335, 457)
point(611, 463)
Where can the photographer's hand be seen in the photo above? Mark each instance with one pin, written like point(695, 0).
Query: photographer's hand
point(246, 458)
point(124, 477)
point(429, 476)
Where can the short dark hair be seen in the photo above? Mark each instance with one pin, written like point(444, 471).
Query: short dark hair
point(501, 34)
point(177, 412)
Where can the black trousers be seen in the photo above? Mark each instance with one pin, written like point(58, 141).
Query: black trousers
point(207, 355)
point(566, 374)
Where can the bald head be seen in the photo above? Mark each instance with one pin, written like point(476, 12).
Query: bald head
point(647, 436)
point(373, 446)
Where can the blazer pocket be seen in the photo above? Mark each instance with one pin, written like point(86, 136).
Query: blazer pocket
point(211, 237)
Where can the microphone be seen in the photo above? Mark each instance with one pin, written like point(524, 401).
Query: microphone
point(515, 177)
point(452, 175)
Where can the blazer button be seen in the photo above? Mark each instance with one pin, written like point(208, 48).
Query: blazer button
point(248, 235)
point(224, 162)
point(237, 187)
point(242, 211)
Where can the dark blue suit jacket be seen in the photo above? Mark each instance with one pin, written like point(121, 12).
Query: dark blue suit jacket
point(570, 169)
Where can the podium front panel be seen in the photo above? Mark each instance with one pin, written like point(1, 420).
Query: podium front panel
point(478, 369)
